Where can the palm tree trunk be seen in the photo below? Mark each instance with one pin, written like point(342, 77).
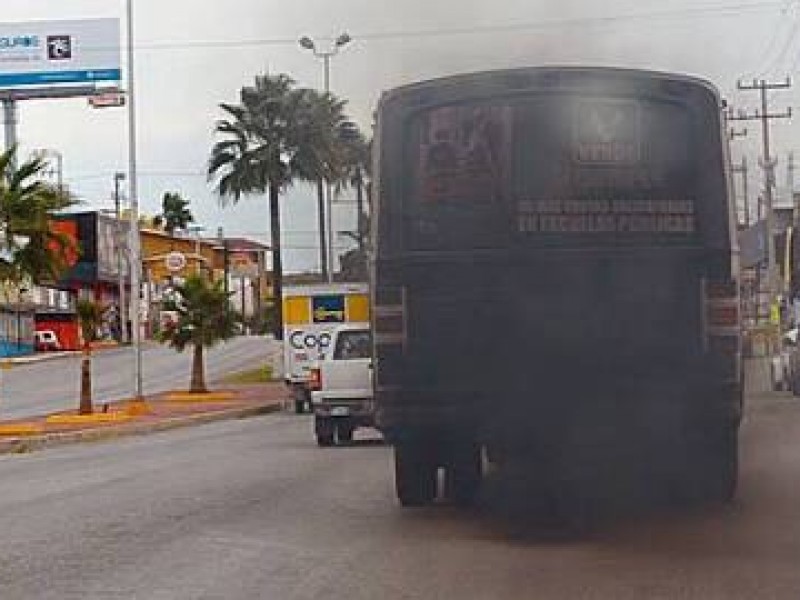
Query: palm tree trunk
point(85, 407)
point(360, 211)
point(198, 371)
point(323, 246)
point(277, 264)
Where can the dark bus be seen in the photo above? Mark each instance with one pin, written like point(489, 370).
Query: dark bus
point(555, 283)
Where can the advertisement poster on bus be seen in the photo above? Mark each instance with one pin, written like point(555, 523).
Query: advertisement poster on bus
point(464, 153)
point(53, 53)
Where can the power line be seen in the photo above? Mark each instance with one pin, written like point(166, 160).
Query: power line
point(720, 10)
point(769, 53)
point(779, 59)
point(146, 173)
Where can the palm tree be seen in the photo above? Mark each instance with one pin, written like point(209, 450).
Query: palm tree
point(355, 171)
point(29, 248)
point(318, 160)
point(203, 320)
point(90, 315)
point(255, 155)
point(175, 213)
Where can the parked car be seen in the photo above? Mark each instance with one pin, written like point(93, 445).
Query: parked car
point(341, 386)
point(785, 365)
point(46, 340)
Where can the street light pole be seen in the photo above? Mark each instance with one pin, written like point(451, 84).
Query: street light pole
point(123, 313)
point(135, 242)
point(309, 44)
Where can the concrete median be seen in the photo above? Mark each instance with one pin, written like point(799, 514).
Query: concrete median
point(114, 421)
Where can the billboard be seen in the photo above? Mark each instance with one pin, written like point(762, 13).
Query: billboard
point(46, 53)
point(111, 239)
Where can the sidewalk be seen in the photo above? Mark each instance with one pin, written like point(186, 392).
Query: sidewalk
point(165, 411)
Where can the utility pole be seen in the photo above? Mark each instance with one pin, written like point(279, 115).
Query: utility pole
point(243, 288)
point(790, 187)
point(768, 164)
point(123, 312)
point(733, 134)
point(226, 264)
point(742, 170)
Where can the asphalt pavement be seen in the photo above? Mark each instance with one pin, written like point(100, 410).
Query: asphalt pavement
point(245, 510)
point(54, 385)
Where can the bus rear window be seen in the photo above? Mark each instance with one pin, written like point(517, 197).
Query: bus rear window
point(562, 170)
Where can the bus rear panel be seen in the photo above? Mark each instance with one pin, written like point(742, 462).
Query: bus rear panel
point(554, 276)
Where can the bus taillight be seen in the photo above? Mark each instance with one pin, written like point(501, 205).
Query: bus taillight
point(390, 317)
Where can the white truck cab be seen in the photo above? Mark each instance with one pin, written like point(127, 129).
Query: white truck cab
point(341, 384)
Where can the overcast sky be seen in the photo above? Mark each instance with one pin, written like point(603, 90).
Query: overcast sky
point(193, 54)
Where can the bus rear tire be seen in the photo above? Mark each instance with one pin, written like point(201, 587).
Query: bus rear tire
point(728, 460)
point(464, 473)
point(715, 472)
point(415, 476)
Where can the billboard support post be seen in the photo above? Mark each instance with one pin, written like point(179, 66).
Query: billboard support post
point(10, 122)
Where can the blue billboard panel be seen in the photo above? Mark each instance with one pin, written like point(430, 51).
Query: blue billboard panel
point(44, 53)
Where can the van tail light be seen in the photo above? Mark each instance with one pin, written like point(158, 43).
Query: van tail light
point(315, 380)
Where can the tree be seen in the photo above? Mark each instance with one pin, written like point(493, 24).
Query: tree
point(29, 248)
point(203, 320)
point(355, 171)
point(255, 155)
point(319, 157)
point(175, 213)
point(90, 315)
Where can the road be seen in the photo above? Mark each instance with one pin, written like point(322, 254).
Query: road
point(253, 510)
point(53, 385)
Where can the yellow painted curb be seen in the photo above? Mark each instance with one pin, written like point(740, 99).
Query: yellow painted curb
point(137, 408)
point(20, 429)
point(111, 417)
point(200, 397)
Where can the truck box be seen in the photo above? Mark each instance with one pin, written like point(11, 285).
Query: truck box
point(310, 313)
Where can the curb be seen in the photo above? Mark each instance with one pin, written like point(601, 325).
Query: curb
point(19, 361)
point(39, 442)
point(38, 357)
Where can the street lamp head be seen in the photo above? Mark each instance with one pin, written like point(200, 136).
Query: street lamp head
point(343, 39)
point(306, 42)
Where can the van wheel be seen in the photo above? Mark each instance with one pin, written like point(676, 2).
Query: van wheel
point(324, 430)
point(344, 432)
point(415, 475)
point(302, 400)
